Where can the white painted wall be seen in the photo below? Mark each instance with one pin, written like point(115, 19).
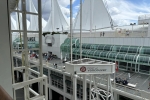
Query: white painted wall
point(5, 56)
point(118, 41)
point(55, 48)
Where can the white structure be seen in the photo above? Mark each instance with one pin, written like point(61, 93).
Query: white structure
point(13, 23)
point(25, 68)
point(144, 19)
point(34, 18)
point(56, 40)
point(56, 21)
point(94, 16)
point(86, 67)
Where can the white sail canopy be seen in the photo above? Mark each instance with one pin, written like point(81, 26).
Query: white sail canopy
point(94, 16)
point(56, 21)
point(19, 22)
point(34, 18)
point(13, 24)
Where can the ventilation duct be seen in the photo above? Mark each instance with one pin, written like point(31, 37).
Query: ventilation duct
point(13, 4)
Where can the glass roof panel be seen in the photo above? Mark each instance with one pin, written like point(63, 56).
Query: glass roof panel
point(108, 47)
point(130, 57)
point(143, 59)
point(97, 53)
point(124, 48)
point(88, 46)
point(112, 55)
point(94, 46)
point(133, 49)
point(104, 54)
point(101, 46)
point(145, 50)
point(121, 56)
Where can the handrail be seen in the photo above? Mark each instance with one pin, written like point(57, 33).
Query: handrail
point(4, 95)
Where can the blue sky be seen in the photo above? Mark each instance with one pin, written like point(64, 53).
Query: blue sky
point(123, 12)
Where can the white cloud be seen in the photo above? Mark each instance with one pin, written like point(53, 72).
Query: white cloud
point(65, 3)
point(77, 7)
point(124, 12)
point(114, 11)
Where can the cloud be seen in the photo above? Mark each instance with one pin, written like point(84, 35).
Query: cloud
point(124, 12)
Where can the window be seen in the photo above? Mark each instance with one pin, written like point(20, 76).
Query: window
point(112, 55)
point(124, 49)
point(143, 59)
point(101, 47)
point(120, 56)
point(133, 49)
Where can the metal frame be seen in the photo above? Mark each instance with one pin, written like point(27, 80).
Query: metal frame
point(25, 68)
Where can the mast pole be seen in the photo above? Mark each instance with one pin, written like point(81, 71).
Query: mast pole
point(91, 15)
point(52, 15)
point(80, 29)
point(71, 29)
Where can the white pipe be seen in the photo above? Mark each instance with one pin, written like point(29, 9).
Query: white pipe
point(26, 77)
point(84, 87)
point(90, 86)
point(32, 91)
point(75, 87)
point(71, 29)
point(108, 79)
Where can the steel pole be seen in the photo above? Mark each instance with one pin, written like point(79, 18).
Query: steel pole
point(132, 29)
point(80, 29)
point(108, 79)
point(91, 16)
point(71, 29)
point(25, 57)
point(84, 87)
point(40, 45)
point(75, 87)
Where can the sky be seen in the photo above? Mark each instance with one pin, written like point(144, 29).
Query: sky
point(123, 12)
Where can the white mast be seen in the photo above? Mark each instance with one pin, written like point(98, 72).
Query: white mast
point(80, 29)
point(71, 29)
point(91, 16)
point(52, 15)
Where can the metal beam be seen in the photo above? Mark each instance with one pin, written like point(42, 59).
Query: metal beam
point(25, 83)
